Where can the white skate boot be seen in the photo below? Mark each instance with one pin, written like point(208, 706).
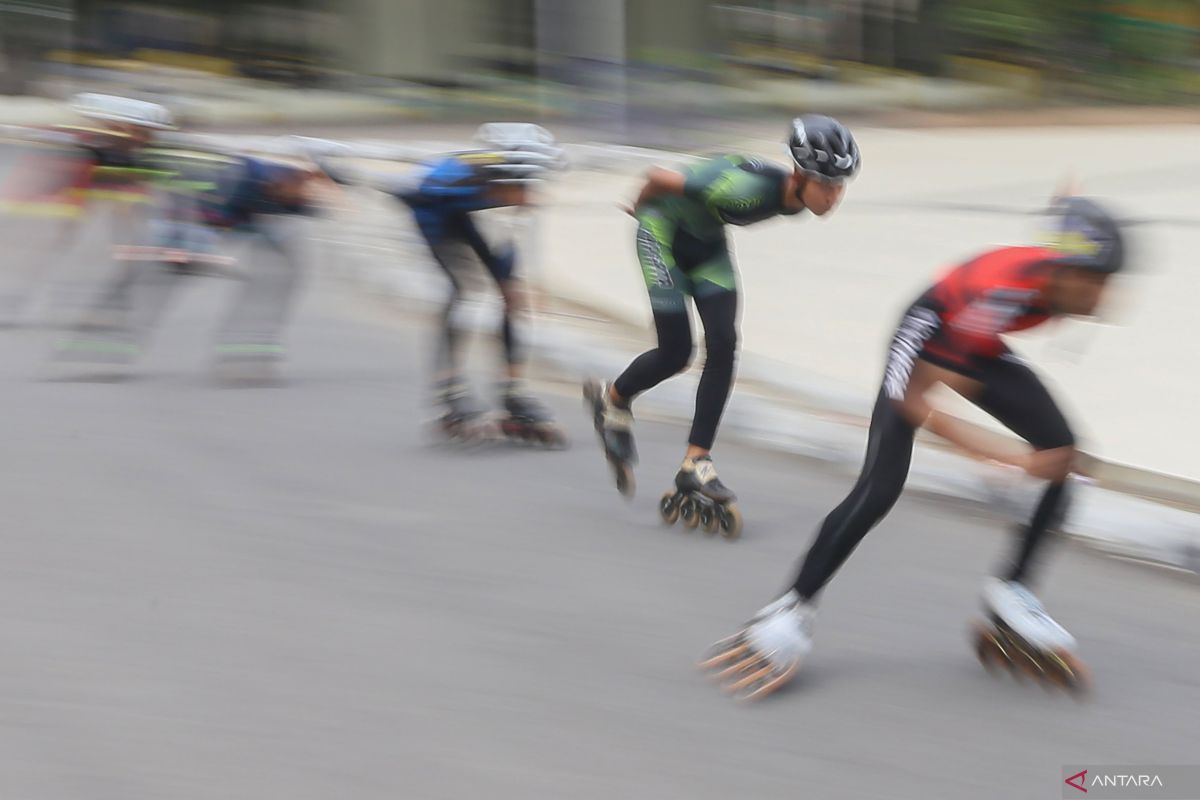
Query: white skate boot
point(1020, 636)
point(765, 654)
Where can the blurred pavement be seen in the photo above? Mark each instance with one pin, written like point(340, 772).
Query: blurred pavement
point(290, 592)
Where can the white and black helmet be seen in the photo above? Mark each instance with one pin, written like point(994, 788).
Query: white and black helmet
point(111, 108)
point(525, 152)
point(823, 148)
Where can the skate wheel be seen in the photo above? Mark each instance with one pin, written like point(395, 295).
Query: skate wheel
point(767, 681)
point(623, 473)
point(744, 672)
point(668, 508)
point(554, 438)
point(720, 654)
point(989, 651)
point(730, 521)
point(689, 514)
point(710, 519)
point(1065, 671)
point(1025, 664)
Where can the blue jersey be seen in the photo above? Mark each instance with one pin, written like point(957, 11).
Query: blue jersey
point(244, 193)
point(449, 188)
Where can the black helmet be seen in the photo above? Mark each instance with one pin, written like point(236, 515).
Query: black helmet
point(823, 148)
point(1083, 234)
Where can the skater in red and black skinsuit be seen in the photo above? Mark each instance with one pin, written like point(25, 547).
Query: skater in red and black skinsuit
point(952, 336)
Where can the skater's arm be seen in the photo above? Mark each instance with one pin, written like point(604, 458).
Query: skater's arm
point(659, 181)
point(919, 412)
point(1053, 465)
point(509, 195)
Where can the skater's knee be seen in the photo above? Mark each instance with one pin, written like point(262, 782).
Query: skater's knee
point(676, 358)
point(1059, 496)
point(675, 352)
point(879, 500)
point(1054, 434)
point(721, 346)
point(513, 296)
point(453, 298)
point(1054, 464)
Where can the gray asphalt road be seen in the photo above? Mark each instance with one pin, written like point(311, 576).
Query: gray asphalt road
point(290, 593)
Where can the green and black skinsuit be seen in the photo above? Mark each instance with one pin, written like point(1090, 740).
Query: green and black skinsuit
point(683, 251)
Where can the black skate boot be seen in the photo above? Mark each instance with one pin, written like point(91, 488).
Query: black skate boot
point(700, 499)
point(527, 420)
point(614, 427)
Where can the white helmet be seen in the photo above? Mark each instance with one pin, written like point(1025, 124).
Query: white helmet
point(123, 109)
point(525, 151)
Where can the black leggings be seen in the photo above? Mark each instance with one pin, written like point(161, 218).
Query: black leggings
point(1015, 396)
point(718, 314)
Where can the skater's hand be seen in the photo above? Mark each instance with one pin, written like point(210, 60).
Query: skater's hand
point(629, 209)
point(1068, 186)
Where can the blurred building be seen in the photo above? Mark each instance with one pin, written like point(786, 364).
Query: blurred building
point(437, 39)
point(1147, 50)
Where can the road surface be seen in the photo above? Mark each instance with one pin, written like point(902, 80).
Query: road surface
point(291, 593)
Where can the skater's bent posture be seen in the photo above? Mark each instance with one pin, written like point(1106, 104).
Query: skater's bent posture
point(683, 250)
point(449, 191)
point(952, 336)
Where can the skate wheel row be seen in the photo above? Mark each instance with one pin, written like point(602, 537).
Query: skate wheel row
point(1001, 650)
point(623, 476)
point(545, 434)
point(468, 433)
point(486, 429)
point(744, 672)
point(694, 513)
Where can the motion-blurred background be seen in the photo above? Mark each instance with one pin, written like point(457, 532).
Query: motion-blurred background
point(287, 592)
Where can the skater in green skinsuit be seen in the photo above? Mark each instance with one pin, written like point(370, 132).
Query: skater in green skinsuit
point(683, 251)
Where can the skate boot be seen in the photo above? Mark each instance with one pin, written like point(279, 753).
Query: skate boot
point(462, 420)
point(96, 352)
point(1018, 635)
point(766, 653)
point(527, 420)
point(700, 499)
point(248, 364)
point(614, 427)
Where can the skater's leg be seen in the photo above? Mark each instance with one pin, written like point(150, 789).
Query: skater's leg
point(670, 357)
point(885, 469)
point(500, 263)
point(528, 419)
point(155, 284)
point(254, 325)
point(454, 260)
point(766, 653)
point(288, 236)
point(717, 307)
point(668, 287)
point(1015, 396)
point(513, 346)
point(718, 313)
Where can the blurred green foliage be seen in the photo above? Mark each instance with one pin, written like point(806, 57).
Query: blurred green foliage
point(1145, 50)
